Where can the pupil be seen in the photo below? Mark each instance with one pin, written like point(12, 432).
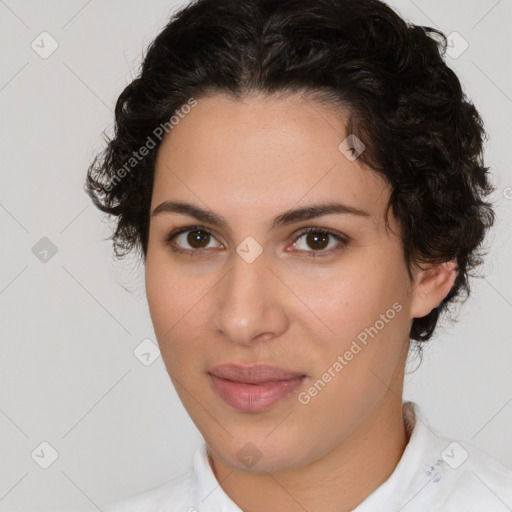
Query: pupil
point(313, 238)
point(195, 238)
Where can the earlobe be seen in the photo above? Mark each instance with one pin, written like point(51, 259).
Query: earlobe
point(431, 286)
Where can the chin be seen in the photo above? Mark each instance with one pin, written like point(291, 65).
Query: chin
point(257, 454)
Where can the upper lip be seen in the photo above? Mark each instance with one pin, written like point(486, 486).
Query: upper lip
point(253, 374)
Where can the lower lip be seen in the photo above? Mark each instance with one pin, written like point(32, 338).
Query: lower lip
point(254, 397)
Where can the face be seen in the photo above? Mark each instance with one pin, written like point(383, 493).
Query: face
point(314, 327)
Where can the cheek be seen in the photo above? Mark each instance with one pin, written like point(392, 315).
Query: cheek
point(169, 290)
point(357, 365)
point(364, 312)
point(353, 299)
point(161, 296)
point(177, 308)
point(167, 300)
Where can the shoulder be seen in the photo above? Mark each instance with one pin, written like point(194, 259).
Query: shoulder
point(475, 479)
point(184, 493)
point(454, 475)
point(443, 474)
point(173, 495)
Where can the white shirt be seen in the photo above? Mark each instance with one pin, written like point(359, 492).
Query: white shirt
point(435, 473)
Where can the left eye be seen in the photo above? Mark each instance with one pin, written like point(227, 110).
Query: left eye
point(316, 239)
point(194, 236)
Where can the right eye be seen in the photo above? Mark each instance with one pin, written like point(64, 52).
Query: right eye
point(197, 237)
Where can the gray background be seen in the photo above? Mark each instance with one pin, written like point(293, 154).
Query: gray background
point(69, 324)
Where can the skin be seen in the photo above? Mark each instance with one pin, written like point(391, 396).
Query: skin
point(250, 160)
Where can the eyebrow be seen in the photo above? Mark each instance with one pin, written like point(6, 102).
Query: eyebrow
point(283, 219)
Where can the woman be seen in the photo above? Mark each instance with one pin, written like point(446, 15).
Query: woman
point(304, 182)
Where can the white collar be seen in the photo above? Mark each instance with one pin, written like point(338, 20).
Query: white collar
point(434, 473)
point(212, 498)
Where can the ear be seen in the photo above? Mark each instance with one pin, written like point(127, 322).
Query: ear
point(431, 286)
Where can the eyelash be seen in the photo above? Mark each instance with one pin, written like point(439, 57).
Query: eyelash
point(314, 254)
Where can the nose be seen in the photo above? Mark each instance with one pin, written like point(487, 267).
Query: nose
point(250, 302)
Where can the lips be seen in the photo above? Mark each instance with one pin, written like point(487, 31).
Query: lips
point(253, 374)
point(254, 388)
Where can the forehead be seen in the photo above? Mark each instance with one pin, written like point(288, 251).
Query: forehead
point(263, 151)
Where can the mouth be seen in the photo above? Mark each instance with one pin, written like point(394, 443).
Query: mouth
point(253, 388)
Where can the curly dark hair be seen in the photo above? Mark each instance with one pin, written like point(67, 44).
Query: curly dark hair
point(421, 132)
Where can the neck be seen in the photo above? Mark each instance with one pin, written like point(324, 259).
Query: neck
point(338, 481)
